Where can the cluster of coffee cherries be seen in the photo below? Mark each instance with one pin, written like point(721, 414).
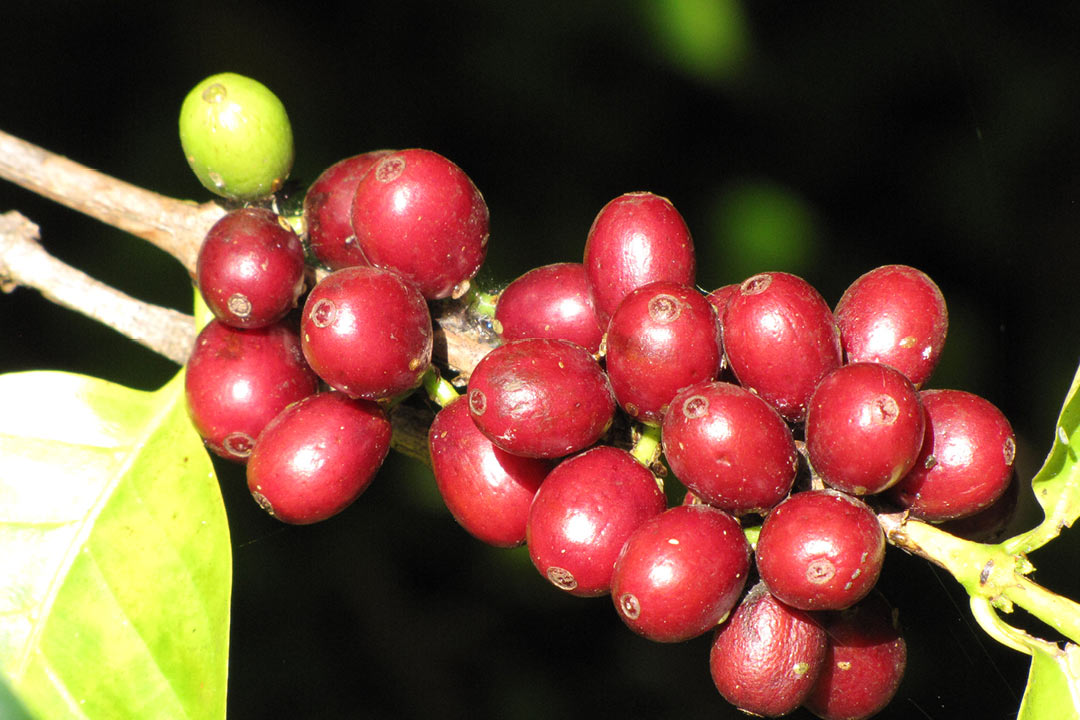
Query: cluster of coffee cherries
point(787, 421)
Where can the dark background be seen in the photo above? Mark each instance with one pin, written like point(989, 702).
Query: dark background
point(823, 140)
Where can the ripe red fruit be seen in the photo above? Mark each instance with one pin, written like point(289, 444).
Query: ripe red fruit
point(420, 215)
point(367, 332)
point(720, 296)
point(635, 239)
point(991, 524)
point(766, 658)
point(663, 337)
point(966, 461)
point(781, 340)
point(328, 211)
point(250, 268)
point(680, 573)
point(729, 447)
point(552, 301)
point(894, 315)
point(583, 513)
point(541, 398)
point(236, 381)
point(317, 456)
point(820, 550)
point(487, 490)
point(864, 662)
point(864, 427)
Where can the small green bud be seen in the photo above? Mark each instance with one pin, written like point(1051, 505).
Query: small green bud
point(236, 137)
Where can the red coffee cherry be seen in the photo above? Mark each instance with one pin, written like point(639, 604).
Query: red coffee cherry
point(236, 381)
point(635, 239)
point(991, 524)
point(487, 490)
point(250, 268)
point(583, 513)
point(894, 315)
point(781, 340)
point(729, 447)
point(864, 428)
point(328, 211)
point(864, 662)
point(719, 298)
point(680, 573)
point(541, 398)
point(552, 301)
point(367, 332)
point(317, 456)
point(419, 214)
point(966, 461)
point(766, 658)
point(662, 337)
point(820, 550)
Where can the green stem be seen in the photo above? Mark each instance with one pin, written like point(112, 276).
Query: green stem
point(990, 572)
point(983, 612)
point(646, 448)
point(441, 392)
point(752, 532)
point(1058, 612)
point(482, 303)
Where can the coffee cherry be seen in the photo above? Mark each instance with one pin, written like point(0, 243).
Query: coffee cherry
point(719, 298)
point(236, 137)
point(583, 513)
point(781, 340)
point(864, 427)
point(820, 550)
point(966, 460)
point(680, 573)
point(487, 490)
point(317, 456)
point(236, 381)
point(367, 332)
point(419, 214)
point(864, 662)
point(250, 269)
point(550, 302)
point(729, 447)
point(663, 337)
point(328, 211)
point(541, 398)
point(894, 315)
point(991, 524)
point(766, 658)
point(635, 239)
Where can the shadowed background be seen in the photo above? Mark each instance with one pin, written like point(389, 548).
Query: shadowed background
point(822, 141)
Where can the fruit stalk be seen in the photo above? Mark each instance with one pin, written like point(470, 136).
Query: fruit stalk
point(175, 226)
point(24, 262)
point(985, 571)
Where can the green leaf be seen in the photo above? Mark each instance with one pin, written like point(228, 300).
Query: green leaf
point(10, 707)
point(1057, 484)
point(115, 562)
point(1053, 686)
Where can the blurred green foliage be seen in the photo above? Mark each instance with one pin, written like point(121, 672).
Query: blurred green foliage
point(707, 39)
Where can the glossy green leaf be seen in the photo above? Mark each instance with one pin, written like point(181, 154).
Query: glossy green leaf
point(1053, 686)
point(115, 562)
point(1057, 484)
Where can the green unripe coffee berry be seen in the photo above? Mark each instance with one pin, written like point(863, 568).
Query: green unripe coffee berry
point(236, 137)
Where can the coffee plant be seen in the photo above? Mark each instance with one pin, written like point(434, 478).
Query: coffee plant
point(730, 464)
